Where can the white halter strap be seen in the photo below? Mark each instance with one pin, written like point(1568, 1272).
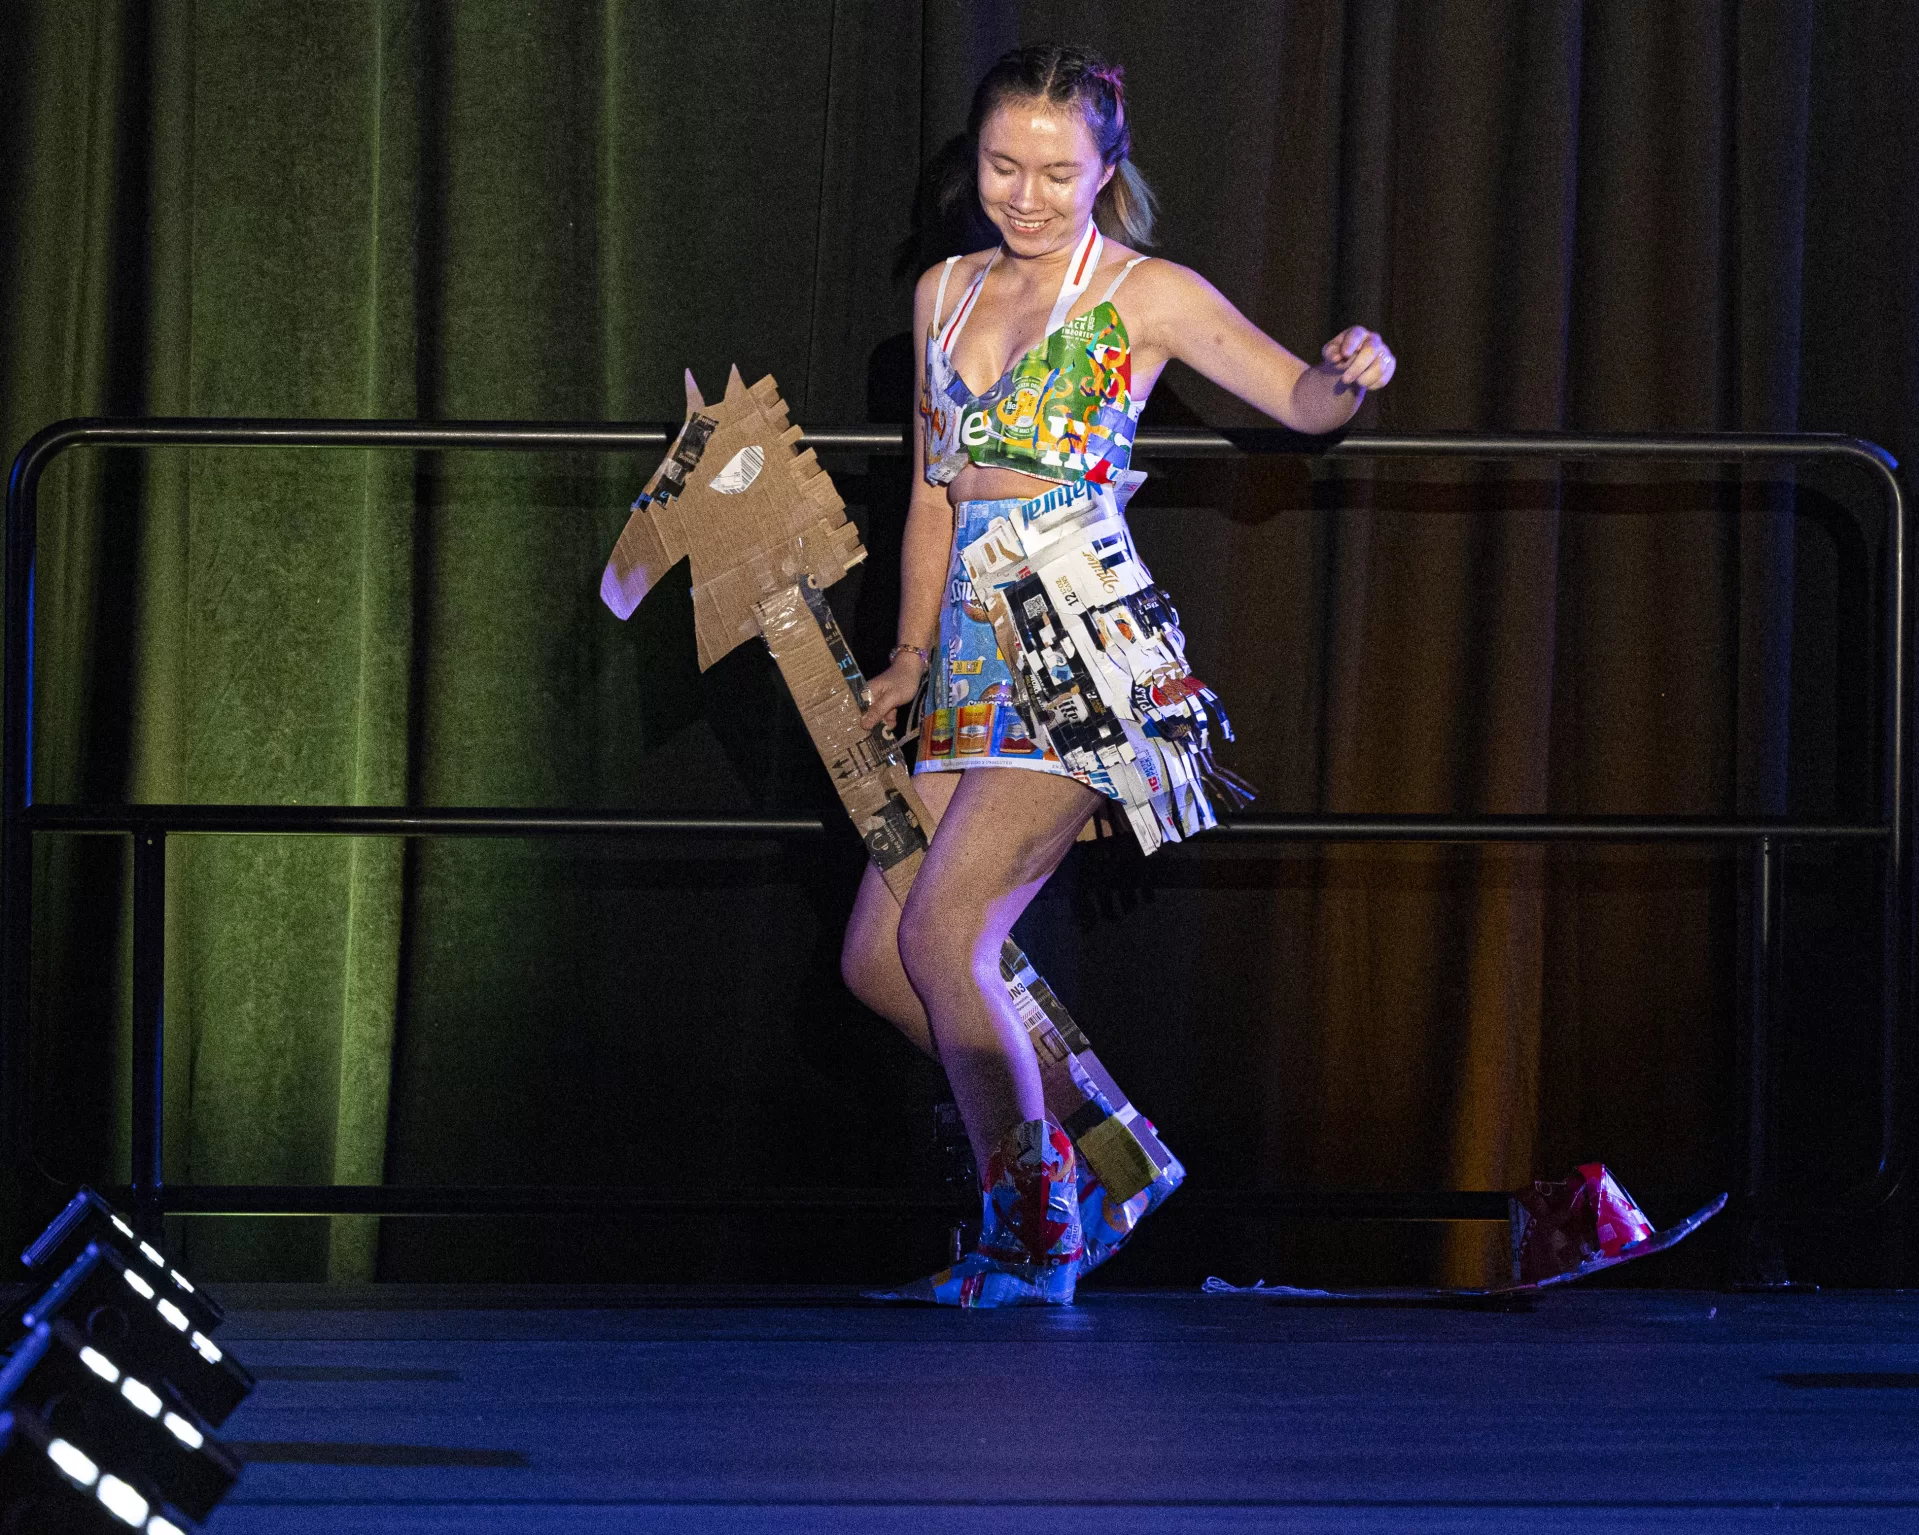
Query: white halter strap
point(939, 298)
point(1124, 272)
point(958, 323)
point(1079, 276)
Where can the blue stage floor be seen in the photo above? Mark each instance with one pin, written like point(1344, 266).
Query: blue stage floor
point(1602, 1410)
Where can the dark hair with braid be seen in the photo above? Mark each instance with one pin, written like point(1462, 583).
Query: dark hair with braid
point(1061, 76)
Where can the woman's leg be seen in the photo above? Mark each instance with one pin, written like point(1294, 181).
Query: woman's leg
point(871, 965)
point(870, 961)
point(1004, 832)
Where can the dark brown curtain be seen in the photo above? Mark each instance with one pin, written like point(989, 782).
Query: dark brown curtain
point(1608, 217)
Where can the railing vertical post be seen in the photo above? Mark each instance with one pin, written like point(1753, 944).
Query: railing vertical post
point(1757, 1173)
point(1757, 1261)
point(16, 841)
point(1899, 979)
point(1899, 902)
point(149, 1025)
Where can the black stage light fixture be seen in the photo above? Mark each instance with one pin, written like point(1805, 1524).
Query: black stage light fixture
point(124, 1315)
point(158, 1443)
point(89, 1218)
point(51, 1486)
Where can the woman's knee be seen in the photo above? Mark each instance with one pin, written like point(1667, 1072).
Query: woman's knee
point(936, 943)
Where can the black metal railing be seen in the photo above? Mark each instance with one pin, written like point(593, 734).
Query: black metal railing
point(150, 826)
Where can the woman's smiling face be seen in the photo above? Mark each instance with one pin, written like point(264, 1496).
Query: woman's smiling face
point(1039, 174)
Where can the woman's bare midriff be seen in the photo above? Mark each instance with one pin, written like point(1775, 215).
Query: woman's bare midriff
point(984, 482)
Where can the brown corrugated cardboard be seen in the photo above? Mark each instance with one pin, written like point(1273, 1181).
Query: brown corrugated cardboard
point(754, 516)
point(868, 772)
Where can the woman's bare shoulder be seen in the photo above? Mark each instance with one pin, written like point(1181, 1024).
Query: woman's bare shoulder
point(964, 269)
point(1162, 300)
point(1157, 279)
point(962, 272)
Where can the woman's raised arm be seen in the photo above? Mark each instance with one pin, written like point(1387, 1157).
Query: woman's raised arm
point(1188, 318)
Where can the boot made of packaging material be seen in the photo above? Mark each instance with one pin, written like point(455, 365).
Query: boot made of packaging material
point(1107, 1223)
point(1030, 1236)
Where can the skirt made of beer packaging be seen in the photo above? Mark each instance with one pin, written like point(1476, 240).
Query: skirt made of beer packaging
point(973, 717)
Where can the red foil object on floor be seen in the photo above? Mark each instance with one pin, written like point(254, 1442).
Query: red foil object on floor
point(1561, 1232)
point(1558, 1228)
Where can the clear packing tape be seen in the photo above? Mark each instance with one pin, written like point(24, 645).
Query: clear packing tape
point(765, 532)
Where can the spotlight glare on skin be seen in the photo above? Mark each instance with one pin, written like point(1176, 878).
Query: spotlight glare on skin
point(142, 1396)
point(100, 1365)
point(73, 1462)
point(138, 1284)
point(122, 1501)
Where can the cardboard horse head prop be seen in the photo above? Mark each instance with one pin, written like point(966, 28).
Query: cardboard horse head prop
point(755, 517)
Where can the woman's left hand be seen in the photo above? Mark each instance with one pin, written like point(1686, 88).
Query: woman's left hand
point(893, 690)
point(1362, 357)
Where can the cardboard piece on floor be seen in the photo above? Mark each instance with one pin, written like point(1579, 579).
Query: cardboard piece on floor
point(766, 533)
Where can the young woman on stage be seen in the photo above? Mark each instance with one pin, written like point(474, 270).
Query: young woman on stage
point(1064, 330)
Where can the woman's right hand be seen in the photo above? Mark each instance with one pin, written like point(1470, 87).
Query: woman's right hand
point(892, 690)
